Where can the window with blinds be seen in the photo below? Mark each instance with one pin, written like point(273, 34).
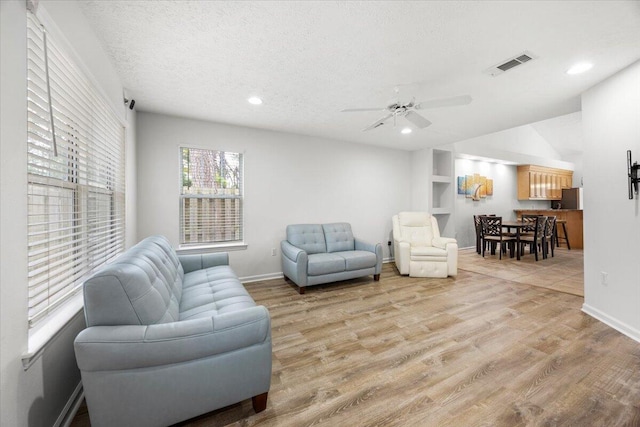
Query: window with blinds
point(75, 167)
point(211, 197)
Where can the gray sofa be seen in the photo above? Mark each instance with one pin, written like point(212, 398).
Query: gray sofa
point(315, 254)
point(170, 337)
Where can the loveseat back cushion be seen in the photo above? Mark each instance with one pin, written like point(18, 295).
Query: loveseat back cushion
point(138, 288)
point(416, 228)
point(308, 237)
point(339, 237)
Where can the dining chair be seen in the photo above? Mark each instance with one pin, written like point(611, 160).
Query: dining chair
point(535, 239)
point(530, 220)
point(478, 226)
point(549, 239)
point(492, 233)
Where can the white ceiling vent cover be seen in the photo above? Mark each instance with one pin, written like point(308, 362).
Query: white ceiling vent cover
point(510, 63)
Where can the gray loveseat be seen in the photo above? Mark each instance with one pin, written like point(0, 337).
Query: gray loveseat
point(170, 337)
point(315, 254)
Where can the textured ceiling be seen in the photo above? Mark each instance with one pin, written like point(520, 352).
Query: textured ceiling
point(308, 60)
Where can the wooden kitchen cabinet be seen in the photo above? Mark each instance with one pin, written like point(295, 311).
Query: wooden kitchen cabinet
point(542, 183)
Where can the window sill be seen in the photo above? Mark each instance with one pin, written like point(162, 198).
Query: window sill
point(47, 328)
point(199, 249)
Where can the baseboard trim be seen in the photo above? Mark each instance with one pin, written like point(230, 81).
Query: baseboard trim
point(71, 408)
point(619, 326)
point(260, 277)
point(280, 275)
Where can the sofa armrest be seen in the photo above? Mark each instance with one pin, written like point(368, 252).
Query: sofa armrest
point(442, 242)
point(107, 348)
point(194, 262)
point(292, 252)
point(294, 263)
point(370, 247)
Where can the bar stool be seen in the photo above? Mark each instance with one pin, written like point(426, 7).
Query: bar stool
point(564, 230)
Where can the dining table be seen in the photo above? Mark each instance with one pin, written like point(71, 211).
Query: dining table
point(518, 225)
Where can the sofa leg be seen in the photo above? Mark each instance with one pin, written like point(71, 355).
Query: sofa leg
point(260, 402)
point(301, 290)
point(376, 277)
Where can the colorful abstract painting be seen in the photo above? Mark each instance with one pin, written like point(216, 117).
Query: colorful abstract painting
point(475, 186)
point(462, 188)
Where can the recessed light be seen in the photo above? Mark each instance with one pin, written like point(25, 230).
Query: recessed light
point(255, 100)
point(580, 67)
point(406, 131)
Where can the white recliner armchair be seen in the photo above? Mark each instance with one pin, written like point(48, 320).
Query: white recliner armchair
point(419, 250)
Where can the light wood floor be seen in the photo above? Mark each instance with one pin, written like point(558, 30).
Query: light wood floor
point(564, 272)
point(484, 349)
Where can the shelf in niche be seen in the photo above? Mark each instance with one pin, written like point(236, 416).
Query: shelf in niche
point(440, 178)
point(441, 211)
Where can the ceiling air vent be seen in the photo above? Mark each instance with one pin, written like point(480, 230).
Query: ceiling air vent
point(510, 63)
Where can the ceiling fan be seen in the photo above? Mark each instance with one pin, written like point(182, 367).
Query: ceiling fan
point(408, 111)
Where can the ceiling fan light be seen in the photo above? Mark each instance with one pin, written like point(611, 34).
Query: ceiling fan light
point(579, 68)
point(254, 100)
point(406, 131)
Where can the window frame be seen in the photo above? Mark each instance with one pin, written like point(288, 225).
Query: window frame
point(213, 245)
point(95, 178)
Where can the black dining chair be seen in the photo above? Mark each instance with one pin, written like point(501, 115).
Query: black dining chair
point(478, 227)
point(549, 239)
point(530, 221)
point(535, 239)
point(492, 234)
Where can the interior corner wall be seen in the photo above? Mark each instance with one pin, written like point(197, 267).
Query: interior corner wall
point(131, 188)
point(421, 167)
point(288, 179)
point(611, 124)
point(39, 395)
point(503, 202)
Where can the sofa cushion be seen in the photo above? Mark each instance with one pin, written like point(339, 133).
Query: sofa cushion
point(338, 237)
point(211, 291)
point(357, 260)
point(308, 237)
point(207, 275)
point(141, 287)
point(325, 264)
point(428, 253)
point(416, 228)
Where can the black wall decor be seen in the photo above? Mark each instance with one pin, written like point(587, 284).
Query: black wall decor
point(632, 171)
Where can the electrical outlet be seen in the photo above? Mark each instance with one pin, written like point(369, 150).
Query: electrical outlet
point(604, 278)
point(389, 243)
point(273, 251)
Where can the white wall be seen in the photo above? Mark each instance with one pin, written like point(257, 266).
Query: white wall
point(421, 167)
point(36, 396)
point(611, 120)
point(288, 179)
point(502, 203)
point(520, 145)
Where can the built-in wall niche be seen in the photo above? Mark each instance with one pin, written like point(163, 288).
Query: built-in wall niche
point(442, 191)
point(442, 163)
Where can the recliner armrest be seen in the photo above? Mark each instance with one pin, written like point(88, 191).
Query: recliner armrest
point(107, 348)
point(194, 262)
point(442, 242)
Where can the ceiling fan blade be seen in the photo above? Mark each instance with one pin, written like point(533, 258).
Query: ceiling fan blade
point(417, 119)
point(351, 110)
point(444, 102)
point(377, 123)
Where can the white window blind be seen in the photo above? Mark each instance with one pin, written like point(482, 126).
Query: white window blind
point(75, 168)
point(211, 197)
